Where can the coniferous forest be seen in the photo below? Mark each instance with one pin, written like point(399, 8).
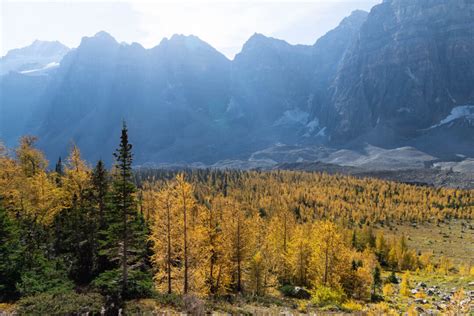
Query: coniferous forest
point(78, 238)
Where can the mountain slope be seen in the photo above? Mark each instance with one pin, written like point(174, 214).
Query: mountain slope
point(397, 77)
point(38, 56)
point(280, 87)
point(411, 64)
point(167, 95)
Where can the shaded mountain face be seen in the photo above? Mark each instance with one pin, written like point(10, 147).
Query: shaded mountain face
point(392, 77)
point(19, 96)
point(32, 59)
point(169, 95)
point(411, 64)
point(278, 88)
point(183, 100)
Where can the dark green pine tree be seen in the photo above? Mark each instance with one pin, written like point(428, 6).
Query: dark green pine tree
point(100, 184)
point(76, 238)
point(100, 197)
point(377, 284)
point(10, 256)
point(59, 171)
point(124, 236)
point(77, 230)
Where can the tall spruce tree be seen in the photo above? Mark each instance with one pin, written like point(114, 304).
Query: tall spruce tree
point(59, 171)
point(124, 235)
point(123, 199)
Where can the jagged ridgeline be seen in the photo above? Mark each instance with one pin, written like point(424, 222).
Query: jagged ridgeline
point(400, 75)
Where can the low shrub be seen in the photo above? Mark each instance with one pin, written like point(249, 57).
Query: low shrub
point(67, 303)
point(7, 308)
point(326, 296)
point(45, 276)
point(388, 290)
point(139, 285)
point(381, 308)
point(147, 306)
point(173, 300)
point(352, 306)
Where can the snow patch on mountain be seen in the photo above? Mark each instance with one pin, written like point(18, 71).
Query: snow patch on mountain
point(46, 67)
point(311, 127)
point(322, 132)
point(464, 111)
point(290, 117)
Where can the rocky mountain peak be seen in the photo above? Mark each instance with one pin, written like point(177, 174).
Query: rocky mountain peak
point(101, 39)
point(383, 78)
point(355, 19)
point(35, 56)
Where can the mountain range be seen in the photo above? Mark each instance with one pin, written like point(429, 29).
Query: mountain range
point(399, 76)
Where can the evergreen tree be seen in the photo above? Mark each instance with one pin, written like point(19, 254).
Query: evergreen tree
point(100, 187)
point(10, 254)
point(59, 171)
point(377, 283)
point(124, 237)
point(123, 199)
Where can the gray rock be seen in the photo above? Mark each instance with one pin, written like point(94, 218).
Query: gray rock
point(301, 293)
point(392, 58)
point(420, 309)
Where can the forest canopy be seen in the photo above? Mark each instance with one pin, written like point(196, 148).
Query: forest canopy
point(110, 235)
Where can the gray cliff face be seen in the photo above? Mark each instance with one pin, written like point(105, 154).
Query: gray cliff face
point(277, 89)
point(410, 65)
point(327, 55)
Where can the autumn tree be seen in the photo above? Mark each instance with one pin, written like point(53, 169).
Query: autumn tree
point(190, 229)
point(280, 229)
point(77, 178)
point(30, 159)
point(329, 259)
point(237, 226)
point(263, 266)
point(165, 237)
point(405, 285)
point(299, 255)
point(216, 262)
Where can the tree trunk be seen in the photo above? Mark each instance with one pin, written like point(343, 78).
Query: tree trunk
point(125, 247)
point(168, 263)
point(185, 245)
point(239, 277)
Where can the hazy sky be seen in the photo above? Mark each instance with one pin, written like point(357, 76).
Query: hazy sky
point(225, 24)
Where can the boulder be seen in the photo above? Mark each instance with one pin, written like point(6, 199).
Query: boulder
point(301, 293)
